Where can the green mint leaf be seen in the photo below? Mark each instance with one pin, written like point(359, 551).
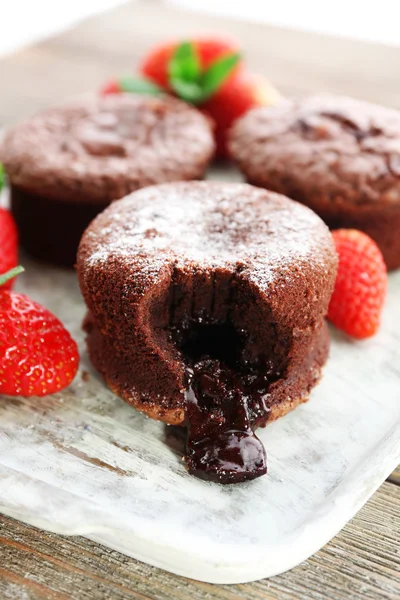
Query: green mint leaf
point(11, 274)
point(184, 64)
point(1, 177)
point(139, 85)
point(216, 74)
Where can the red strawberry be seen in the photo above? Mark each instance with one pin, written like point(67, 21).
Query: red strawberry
point(206, 72)
point(243, 92)
point(8, 244)
point(361, 283)
point(155, 64)
point(111, 87)
point(37, 354)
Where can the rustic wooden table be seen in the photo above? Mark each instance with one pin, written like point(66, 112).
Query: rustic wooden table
point(362, 562)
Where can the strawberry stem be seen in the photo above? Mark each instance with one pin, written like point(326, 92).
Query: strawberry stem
point(11, 274)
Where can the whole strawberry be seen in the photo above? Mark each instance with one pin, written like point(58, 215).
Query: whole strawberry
point(233, 100)
point(157, 65)
point(361, 284)
point(8, 244)
point(192, 70)
point(208, 72)
point(8, 240)
point(37, 354)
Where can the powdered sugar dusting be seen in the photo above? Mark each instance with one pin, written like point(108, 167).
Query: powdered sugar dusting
point(210, 225)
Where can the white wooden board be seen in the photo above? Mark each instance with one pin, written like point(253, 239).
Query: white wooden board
point(83, 462)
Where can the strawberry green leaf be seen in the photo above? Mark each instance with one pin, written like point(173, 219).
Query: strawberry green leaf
point(184, 64)
point(1, 177)
point(139, 85)
point(11, 274)
point(217, 73)
point(187, 79)
point(190, 91)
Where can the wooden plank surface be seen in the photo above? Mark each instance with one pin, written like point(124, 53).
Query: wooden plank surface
point(112, 43)
point(395, 476)
point(362, 563)
point(363, 560)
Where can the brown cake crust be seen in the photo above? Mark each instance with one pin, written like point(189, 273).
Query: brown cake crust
point(201, 252)
point(69, 162)
point(286, 395)
point(337, 155)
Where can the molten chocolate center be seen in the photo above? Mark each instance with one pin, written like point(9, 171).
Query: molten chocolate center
point(224, 400)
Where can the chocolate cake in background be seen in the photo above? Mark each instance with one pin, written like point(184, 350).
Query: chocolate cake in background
point(206, 306)
point(337, 155)
point(66, 164)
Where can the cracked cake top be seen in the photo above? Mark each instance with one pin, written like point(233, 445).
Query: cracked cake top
point(327, 148)
point(102, 148)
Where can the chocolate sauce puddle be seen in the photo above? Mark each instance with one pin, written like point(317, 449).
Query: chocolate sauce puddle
point(224, 400)
point(221, 444)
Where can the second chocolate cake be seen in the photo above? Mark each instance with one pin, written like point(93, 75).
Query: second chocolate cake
point(337, 155)
point(206, 309)
point(66, 164)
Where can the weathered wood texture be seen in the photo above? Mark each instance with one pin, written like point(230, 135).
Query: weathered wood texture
point(112, 43)
point(362, 562)
point(395, 476)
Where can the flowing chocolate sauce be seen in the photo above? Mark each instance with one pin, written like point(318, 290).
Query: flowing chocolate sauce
point(224, 400)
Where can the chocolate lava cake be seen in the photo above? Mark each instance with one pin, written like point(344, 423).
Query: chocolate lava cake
point(206, 306)
point(337, 155)
point(66, 164)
